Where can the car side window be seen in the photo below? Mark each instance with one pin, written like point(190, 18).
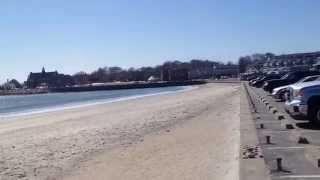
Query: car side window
point(292, 76)
point(310, 79)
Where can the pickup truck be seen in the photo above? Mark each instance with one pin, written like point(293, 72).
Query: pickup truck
point(304, 100)
point(279, 92)
point(287, 79)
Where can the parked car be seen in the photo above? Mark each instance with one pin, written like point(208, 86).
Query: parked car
point(252, 81)
point(304, 100)
point(248, 77)
point(287, 79)
point(279, 92)
point(260, 82)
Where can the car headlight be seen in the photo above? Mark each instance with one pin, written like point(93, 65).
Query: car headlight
point(297, 94)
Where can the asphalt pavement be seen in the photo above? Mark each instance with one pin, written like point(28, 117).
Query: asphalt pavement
point(290, 147)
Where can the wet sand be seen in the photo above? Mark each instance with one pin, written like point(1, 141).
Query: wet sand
point(188, 135)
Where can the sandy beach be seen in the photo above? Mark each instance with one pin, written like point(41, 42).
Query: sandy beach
point(187, 135)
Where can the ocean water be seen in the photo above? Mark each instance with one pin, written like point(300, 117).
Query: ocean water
point(30, 104)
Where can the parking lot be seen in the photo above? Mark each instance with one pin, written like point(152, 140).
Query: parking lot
point(291, 147)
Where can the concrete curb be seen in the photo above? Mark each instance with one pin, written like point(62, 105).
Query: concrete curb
point(252, 168)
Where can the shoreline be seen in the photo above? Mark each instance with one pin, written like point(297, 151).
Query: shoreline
point(132, 85)
point(105, 87)
point(84, 104)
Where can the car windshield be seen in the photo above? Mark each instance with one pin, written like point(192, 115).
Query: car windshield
point(307, 79)
point(286, 76)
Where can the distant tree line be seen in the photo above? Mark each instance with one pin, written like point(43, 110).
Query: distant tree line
point(255, 60)
point(11, 84)
point(169, 71)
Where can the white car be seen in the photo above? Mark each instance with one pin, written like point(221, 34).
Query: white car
point(279, 92)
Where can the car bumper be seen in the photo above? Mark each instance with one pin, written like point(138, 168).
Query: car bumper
point(295, 107)
point(267, 88)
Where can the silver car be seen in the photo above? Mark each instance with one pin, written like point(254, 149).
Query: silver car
point(280, 92)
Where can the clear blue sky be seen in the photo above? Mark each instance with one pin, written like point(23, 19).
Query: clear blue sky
point(74, 35)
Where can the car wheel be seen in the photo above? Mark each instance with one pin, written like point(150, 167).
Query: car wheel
point(315, 114)
point(282, 96)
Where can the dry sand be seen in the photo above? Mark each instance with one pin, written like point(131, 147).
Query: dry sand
point(189, 135)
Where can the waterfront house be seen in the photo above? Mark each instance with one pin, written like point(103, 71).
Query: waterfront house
point(50, 79)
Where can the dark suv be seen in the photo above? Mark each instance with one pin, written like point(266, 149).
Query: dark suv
point(259, 82)
point(287, 79)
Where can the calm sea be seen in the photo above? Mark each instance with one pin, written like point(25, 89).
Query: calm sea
point(30, 104)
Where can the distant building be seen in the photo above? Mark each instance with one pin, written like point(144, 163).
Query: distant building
point(48, 80)
point(288, 60)
point(310, 55)
point(225, 70)
point(201, 73)
point(175, 74)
